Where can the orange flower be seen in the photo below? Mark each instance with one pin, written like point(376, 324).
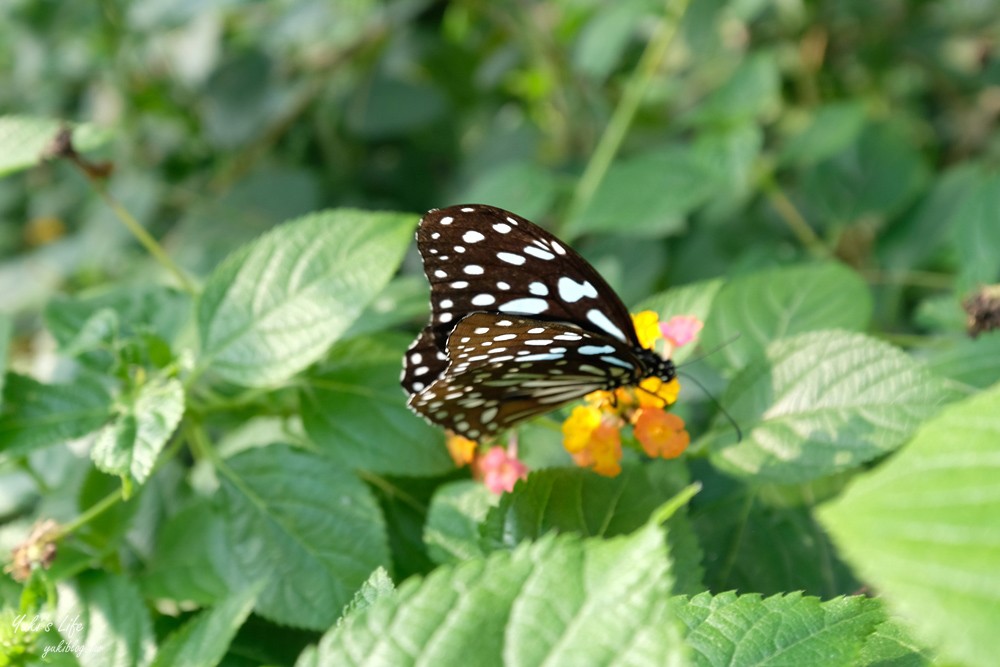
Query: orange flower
point(593, 439)
point(660, 433)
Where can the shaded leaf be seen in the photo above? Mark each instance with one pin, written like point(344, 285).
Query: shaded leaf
point(37, 415)
point(355, 411)
point(203, 640)
point(304, 525)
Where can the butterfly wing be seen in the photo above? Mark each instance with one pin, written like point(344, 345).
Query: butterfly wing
point(485, 259)
point(503, 369)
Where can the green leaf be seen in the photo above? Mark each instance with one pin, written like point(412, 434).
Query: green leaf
point(924, 529)
point(104, 619)
point(190, 558)
point(877, 176)
point(820, 403)
point(579, 501)
point(203, 640)
point(24, 140)
point(831, 129)
point(524, 187)
point(452, 531)
point(648, 194)
point(559, 601)
point(753, 91)
point(746, 630)
point(602, 41)
point(770, 548)
point(6, 334)
point(355, 411)
point(892, 645)
point(161, 310)
point(37, 415)
point(975, 362)
point(131, 443)
point(306, 526)
point(275, 306)
point(976, 233)
point(405, 299)
point(750, 312)
point(378, 585)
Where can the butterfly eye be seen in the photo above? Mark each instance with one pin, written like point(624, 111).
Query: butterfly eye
point(520, 324)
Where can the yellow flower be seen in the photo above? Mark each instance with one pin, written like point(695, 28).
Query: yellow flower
point(579, 426)
point(655, 393)
point(647, 328)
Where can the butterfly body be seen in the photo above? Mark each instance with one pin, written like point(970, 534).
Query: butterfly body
point(520, 324)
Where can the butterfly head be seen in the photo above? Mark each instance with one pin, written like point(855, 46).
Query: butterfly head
point(653, 365)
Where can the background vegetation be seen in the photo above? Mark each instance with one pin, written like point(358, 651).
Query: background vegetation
point(211, 416)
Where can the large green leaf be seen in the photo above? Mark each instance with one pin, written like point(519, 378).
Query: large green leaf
point(36, 414)
point(24, 140)
point(276, 305)
point(975, 362)
point(558, 601)
point(306, 526)
point(924, 529)
point(750, 312)
point(820, 403)
point(355, 411)
point(747, 630)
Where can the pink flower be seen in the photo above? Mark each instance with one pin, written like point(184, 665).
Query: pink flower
point(500, 469)
point(681, 329)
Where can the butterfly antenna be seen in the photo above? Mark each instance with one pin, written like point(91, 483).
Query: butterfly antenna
point(715, 349)
point(715, 401)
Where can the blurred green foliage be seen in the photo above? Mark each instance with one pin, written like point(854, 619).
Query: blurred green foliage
point(816, 179)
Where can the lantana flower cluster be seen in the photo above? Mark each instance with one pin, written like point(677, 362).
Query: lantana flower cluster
point(592, 432)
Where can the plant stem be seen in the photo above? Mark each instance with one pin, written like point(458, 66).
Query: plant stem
point(145, 238)
point(92, 512)
point(624, 114)
point(793, 218)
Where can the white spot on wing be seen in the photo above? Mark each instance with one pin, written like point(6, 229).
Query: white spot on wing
point(595, 349)
point(473, 270)
point(538, 289)
point(416, 358)
point(483, 300)
point(502, 285)
point(446, 303)
point(538, 252)
point(468, 209)
point(459, 284)
point(528, 306)
point(472, 236)
point(510, 258)
point(602, 322)
point(616, 361)
point(502, 227)
point(438, 273)
point(571, 291)
point(444, 317)
point(447, 220)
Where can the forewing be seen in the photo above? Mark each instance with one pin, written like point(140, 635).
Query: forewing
point(485, 259)
point(504, 369)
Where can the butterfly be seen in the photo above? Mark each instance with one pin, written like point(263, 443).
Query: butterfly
point(520, 324)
